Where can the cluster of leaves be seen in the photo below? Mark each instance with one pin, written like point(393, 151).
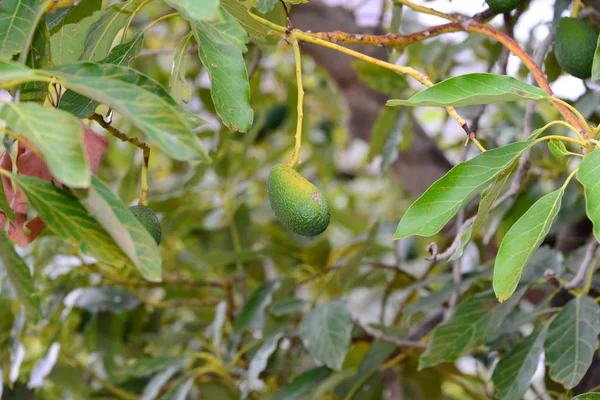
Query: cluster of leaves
point(176, 322)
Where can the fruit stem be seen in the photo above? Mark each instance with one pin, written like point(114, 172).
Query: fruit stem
point(144, 179)
point(584, 123)
point(291, 37)
point(581, 140)
point(576, 7)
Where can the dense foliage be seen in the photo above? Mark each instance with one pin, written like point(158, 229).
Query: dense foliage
point(150, 249)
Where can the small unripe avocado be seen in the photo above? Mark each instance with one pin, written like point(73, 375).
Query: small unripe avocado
point(575, 46)
point(150, 221)
point(502, 6)
point(298, 204)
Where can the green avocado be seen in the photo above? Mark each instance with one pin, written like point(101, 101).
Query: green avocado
point(575, 46)
point(502, 6)
point(150, 221)
point(298, 204)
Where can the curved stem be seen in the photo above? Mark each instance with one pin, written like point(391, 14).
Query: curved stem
point(130, 20)
point(558, 137)
point(156, 21)
point(298, 60)
point(571, 175)
point(425, 10)
point(574, 111)
point(565, 124)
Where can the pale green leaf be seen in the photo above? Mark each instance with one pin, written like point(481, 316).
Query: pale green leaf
point(255, 29)
point(18, 19)
point(302, 385)
point(558, 148)
point(13, 73)
point(58, 136)
point(180, 89)
point(20, 278)
point(132, 231)
point(430, 212)
point(596, 63)
point(196, 10)
point(66, 217)
point(472, 89)
point(164, 123)
point(220, 46)
point(521, 242)
point(514, 373)
point(102, 33)
point(326, 333)
point(572, 340)
point(474, 320)
point(68, 35)
point(588, 176)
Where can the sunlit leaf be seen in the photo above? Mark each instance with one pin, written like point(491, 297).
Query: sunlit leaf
point(588, 176)
point(18, 19)
point(430, 212)
point(572, 340)
point(20, 278)
point(325, 332)
point(514, 373)
point(255, 29)
point(473, 89)
point(221, 43)
point(521, 242)
point(196, 10)
point(103, 31)
point(180, 88)
point(58, 136)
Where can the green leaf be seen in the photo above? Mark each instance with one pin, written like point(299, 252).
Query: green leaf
point(588, 177)
point(350, 271)
point(68, 35)
point(326, 333)
point(514, 373)
point(521, 242)
point(255, 306)
point(103, 31)
point(430, 212)
point(259, 363)
point(66, 217)
point(587, 396)
point(572, 340)
point(13, 73)
point(558, 148)
point(380, 79)
point(58, 136)
point(164, 122)
point(18, 19)
point(196, 10)
point(75, 13)
point(303, 384)
point(221, 43)
point(123, 53)
point(38, 57)
point(475, 318)
point(104, 298)
point(472, 89)
point(283, 307)
point(147, 366)
point(20, 278)
point(255, 29)
point(5, 207)
point(131, 236)
point(596, 63)
point(264, 6)
point(181, 90)
point(386, 121)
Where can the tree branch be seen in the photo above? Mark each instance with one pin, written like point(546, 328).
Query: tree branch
point(382, 337)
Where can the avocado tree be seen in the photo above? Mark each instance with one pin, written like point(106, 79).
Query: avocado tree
point(221, 199)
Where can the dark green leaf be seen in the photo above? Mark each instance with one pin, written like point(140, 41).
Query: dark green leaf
point(38, 57)
point(326, 333)
point(196, 10)
point(68, 35)
point(303, 384)
point(587, 396)
point(522, 240)
point(20, 278)
point(180, 89)
point(514, 373)
point(428, 215)
point(381, 130)
point(472, 89)
point(558, 148)
point(588, 177)
point(5, 207)
point(255, 29)
point(221, 43)
point(287, 306)
point(475, 318)
point(596, 63)
point(572, 340)
point(75, 13)
point(123, 53)
point(104, 298)
point(255, 306)
point(103, 31)
point(163, 122)
point(64, 215)
point(18, 19)
point(58, 136)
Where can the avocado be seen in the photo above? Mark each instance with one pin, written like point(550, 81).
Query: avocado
point(298, 204)
point(575, 47)
point(150, 221)
point(502, 6)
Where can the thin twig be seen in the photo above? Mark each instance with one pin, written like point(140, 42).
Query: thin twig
point(590, 252)
point(382, 337)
